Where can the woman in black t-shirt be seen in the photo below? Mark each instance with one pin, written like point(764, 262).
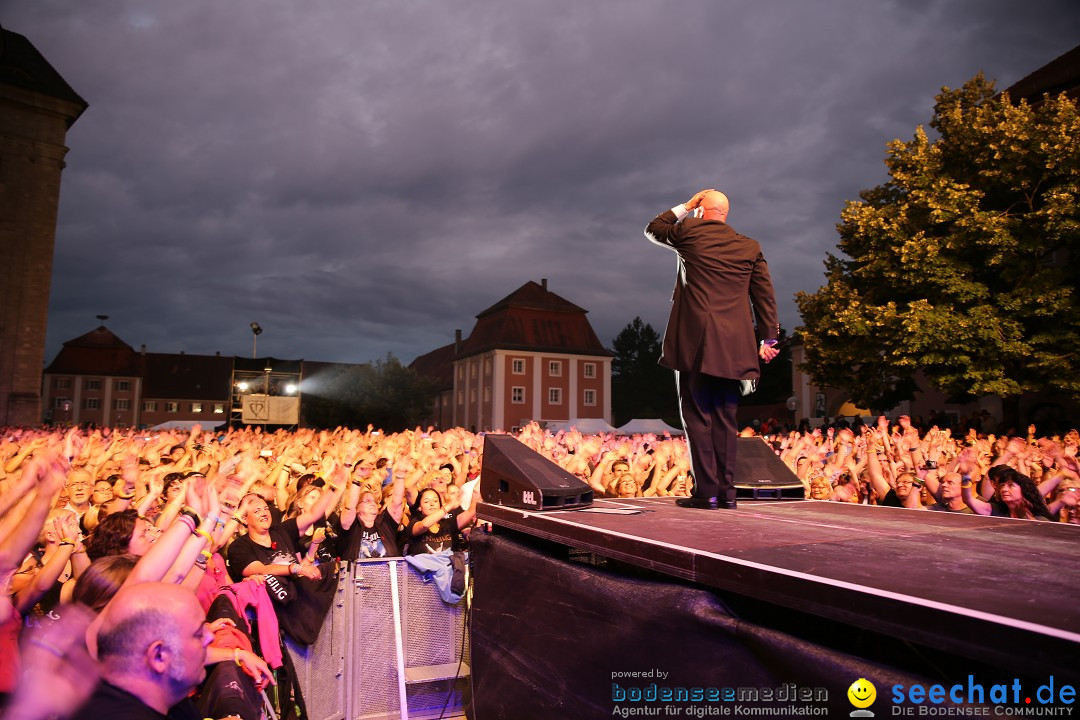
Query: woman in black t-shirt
point(366, 531)
point(433, 525)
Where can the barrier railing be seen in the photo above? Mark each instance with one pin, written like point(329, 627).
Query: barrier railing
point(390, 648)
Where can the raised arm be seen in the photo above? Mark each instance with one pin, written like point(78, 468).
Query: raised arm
point(966, 465)
point(329, 499)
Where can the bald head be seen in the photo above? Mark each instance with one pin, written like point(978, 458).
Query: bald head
point(152, 642)
point(714, 205)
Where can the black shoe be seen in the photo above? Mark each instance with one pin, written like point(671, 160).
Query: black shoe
point(727, 505)
point(697, 502)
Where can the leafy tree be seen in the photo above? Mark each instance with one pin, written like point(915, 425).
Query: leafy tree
point(964, 265)
point(385, 393)
point(640, 388)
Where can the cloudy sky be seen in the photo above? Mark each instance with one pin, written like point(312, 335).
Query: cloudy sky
point(364, 176)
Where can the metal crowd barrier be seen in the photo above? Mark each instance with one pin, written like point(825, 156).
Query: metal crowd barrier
point(390, 648)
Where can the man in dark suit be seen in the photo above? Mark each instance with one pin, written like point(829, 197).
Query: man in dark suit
point(710, 342)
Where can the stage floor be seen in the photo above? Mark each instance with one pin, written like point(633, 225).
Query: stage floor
point(995, 589)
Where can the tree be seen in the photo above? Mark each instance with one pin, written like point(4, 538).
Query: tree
point(385, 393)
point(641, 388)
point(964, 265)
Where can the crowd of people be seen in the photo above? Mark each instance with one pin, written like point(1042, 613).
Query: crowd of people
point(140, 566)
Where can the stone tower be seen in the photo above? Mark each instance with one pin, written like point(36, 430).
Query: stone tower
point(36, 109)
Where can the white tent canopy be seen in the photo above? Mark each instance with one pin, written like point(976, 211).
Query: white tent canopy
point(641, 426)
point(187, 425)
point(588, 426)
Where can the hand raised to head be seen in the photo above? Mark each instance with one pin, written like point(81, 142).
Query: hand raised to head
point(694, 202)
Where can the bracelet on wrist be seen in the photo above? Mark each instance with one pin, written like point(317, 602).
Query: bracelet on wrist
point(188, 521)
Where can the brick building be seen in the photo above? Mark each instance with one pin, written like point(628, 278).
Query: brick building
point(37, 107)
point(531, 356)
point(98, 378)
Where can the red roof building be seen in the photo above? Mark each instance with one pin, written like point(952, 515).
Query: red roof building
point(531, 356)
point(98, 378)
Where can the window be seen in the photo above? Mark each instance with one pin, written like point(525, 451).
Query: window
point(196, 407)
point(219, 408)
point(460, 372)
point(590, 397)
point(472, 394)
point(121, 404)
point(487, 366)
point(517, 395)
point(123, 385)
point(445, 400)
point(472, 370)
point(555, 396)
point(62, 403)
point(517, 366)
point(487, 394)
point(93, 385)
point(172, 407)
point(91, 404)
point(150, 406)
point(460, 397)
point(590, 370)
point(555, 368)
point(61, 383)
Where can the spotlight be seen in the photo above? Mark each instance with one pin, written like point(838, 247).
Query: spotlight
point(290, 389)
point(242, 386)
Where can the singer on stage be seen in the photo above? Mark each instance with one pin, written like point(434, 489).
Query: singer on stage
point(710, 340)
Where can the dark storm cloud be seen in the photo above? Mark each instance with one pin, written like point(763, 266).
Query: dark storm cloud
point(363, 178)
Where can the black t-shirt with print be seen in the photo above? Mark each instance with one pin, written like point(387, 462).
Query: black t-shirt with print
point(379, 540)
point(284, 544)
point(438, 538)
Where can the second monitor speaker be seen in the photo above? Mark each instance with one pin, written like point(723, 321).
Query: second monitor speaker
point(516, 476)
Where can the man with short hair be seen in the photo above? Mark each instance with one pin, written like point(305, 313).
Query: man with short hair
point(80, 487)
point(949, 495)
point(623, 482)
point(709, 341)
point(151, 648)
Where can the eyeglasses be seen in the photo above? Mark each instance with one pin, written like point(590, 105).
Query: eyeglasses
point(150, 531)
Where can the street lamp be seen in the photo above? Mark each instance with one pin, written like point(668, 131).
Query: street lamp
point(255, 332)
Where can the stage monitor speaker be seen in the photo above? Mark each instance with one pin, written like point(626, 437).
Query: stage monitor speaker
point(516, 476)
point(760, 474)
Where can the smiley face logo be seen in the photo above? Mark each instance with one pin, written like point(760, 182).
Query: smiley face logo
point(862, 693)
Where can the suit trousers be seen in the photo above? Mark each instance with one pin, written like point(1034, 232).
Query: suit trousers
point(708, 405)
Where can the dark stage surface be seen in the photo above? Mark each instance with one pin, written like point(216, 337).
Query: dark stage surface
point(999, 590)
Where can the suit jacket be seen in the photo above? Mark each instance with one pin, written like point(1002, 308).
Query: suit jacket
point(720, 273)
